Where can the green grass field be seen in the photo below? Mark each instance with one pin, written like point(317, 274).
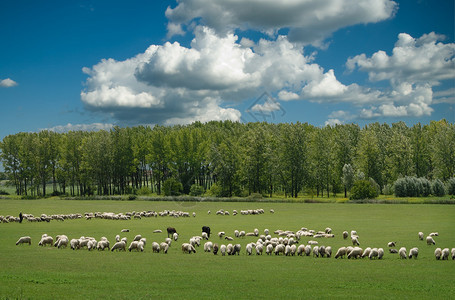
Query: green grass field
point(33, 272)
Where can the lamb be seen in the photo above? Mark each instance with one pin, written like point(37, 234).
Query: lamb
point(24, 240)
point(402, 252)
point(414, 252)
point(47, 240)
point(223, 250)
point(421, 236)
point(133, 246)
point(341, 252)
point(328, 230)
point(437, 253)
point(125, 230)
point(445, 254)
point(155, 247)
point(345, 234)
point(194, 214)
point(208, 247)
point(380, 253)
point(242, 233)
point(229, 238)
point(120, 246)
point(266, 231)
point(256, 232)
point(434, 234)
point(373, 253)
point(272, 211)
point(430, 241)
point(215, 249)
point(188, 248)
point(391, 244)
point(259, 249)
point(355, 252)
point(164, 247)
point(137, 238)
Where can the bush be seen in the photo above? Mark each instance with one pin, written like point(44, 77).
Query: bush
point(388, 189)
point(172, 187)
point(411, 186)
point(255, 196)
point(145, 190)
point(2, 192)
point(363, 189)
point(196, 190)
point(437, 188)
point(451, 186)
point(215, 190)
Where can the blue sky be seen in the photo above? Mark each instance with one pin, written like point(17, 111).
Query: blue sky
point(69, 65)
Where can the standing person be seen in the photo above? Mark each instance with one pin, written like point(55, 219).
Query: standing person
point(20, 217)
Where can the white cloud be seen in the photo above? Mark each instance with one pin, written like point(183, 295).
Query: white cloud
point(6, 83)
point(309, 21)
point(333, 122)
point(268, 106)
point(328, 86)
point(80, 127)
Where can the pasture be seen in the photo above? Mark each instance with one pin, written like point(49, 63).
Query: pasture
point(34, 272)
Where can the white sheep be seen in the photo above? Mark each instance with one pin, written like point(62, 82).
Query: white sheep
point(293, 249)
point(392, 244)
point(188, 248)
point(373, 253)
point(380, 253)
point(117, 238)
point(366, 252)
point(322, 251)
point(355, 241)
point(242, 233)
point(434, 234)
point(328, 230)
point(328, 251)
point(137, 238)
point(47, 240)
point(101, 245)
point(237, 248)
point(133, 246)
point(125, 230)
point(221, 234)
point(341, 252)
point(316, 251)
point(92, 245)
point(269, 249)
point(414, 252)
point(205, 236)
point(175, 236)
point(437, 253)
point(445, 254)
point(279, 249)
point(157, 231)
point(307, 250)
point(345, 234)
point(300, 250)
point(259, 249)
point(164, 247)
point(430, 240)
point(168, 241)
point(266, 231)
point(249, 248)
point(74, 243)
point(287, 250)
point(356, 252)
point(421, 236)
point(24, 240)
point(141, 245)
point(256, 231)
point(119, 246)
point(402, 252)
point(236, 233)
point(208, 246)
point(155, 247)
point(354, 233)
point(312, 243)
point(223, 250)
point(194, 214)
point(229, 249)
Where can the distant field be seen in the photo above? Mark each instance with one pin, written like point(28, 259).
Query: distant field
point(45, 273)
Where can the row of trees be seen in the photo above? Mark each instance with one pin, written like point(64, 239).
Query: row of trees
point(239, 159)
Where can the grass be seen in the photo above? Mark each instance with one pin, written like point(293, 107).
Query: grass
point(33, 272)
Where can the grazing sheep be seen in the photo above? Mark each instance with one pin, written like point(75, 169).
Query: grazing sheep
point(393, 251)
point(421, 236)
point(237, 248)
point(205, 236)
point(316, 251)
point(366, 252)
point(453, 253)
point(117, 238)
point(430, 241)
point(345, 234)
point(221, 234)
point(307, 250)
point(75, 244)
point(380, 253)
point(188, 248)
point(312, 243)
point(229, 249)
point(92, 245)
point(223, 250)
point(356, 252)
point(354, 233)
point(249, 249)
point(272, 211)
point(328, 251)
point(242, 234)
point(434, 234)
point(124, 239)
point(157, 231)
point(402, 252)
point(445, 254)
point(373, 253)
point(168, 241)
point(300, 250)
point(208, 212)
point(164, 247)
point(391, 244)
point(322, 251)
point(155, 247)
point(269, 249)
point(208, 247)
point(229, 238)
point(293, 249)
point(100, 246)
point(355, 241)
point(341, 252)
point(287, 250)
point(266, 231)
point(62, 241)
point(194, 214)
point(175, 236)
point(256, 232)
point(414, 252)
point(279, 249)
point(437, 253)
point(133, 246)
point(120, 246)
point(47, 240)
point(328, 230)
point(137, 238)
point(125, 230)
point(215, 249)
point(259, 249)
point(236, 233)
point(24, 240)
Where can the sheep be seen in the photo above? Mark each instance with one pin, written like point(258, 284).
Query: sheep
point(322, 251)
point(101, 245)
point(155, 247)
point(355, 241)
point(236, 233)
point(366, 252)
point(120, 246)
point(272, 211)
point(393, 251)
point(137, 238)
point(117, 238)
point(402, 252)
point(437, 253)
point(430, 240)
point(293, 249)
point(287, 250)
point(188, 248)
point(124, 239)
point(259, 249)
point(249, 249)
point(229, 249)
point(47, 240)
point(354, 233)
point(215, 249)
point(414, 252)
point(328, 230)
point(345, 234)
point(194, 214)
point(237, 248)
point(61, 241)
point(205, 236)
point(279, 249)
point(355, 252)
point(391, 244)
point(24, 240)
point(373, 253)
point(208, 246)
point(421, 236)
point(229, 238)
point(125, 230)
point(266, 231)
point(434, 234)
point(141, 245)
point(445, 254)
point(300, 250)
point(133, 246)
point(175, 236)
point(223, 250)
point(75, 244)
point(453, 253)
point(328, 251)
point(170, 231)
point(380, 253)
point(208, 212)
point(157, 231)
point(256, 231)
point(307, 250)
point(269, 249)
point(341, 252)
point(221, 234)
point(312, 243)
point(164, 247)
point(92, 245)
point(316, 251)
point(242, 234)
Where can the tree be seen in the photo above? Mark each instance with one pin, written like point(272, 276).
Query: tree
point(348, 178)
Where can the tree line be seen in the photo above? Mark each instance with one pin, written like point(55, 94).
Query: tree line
point(228, 158)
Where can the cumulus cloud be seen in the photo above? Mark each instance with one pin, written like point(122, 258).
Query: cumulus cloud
point(6, 83)
point(80, 127)
point(308, 21)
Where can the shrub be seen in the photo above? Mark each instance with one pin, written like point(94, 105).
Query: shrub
point(451, 186)
point(255, 196)
point(388, 189)
point(215, 190)
point(363, 189)
point(172, 187)
point(437, 188)
point(425, 187)
point(2, 192)
point(411, 186)
point(145, 190)
point(196, 190)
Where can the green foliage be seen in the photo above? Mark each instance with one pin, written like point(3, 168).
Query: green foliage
point(437, 188)
point(2, 192)
point(196, 190)
point(144, 190)
point(172, 187)
point(451, 186)
point(411, 186)
point(388, 189)
point(363, 189)
point(215, 190)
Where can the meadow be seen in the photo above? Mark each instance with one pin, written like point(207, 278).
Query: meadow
point(34, 272)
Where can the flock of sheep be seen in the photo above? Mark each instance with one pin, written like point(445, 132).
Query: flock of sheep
point(283, 243)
